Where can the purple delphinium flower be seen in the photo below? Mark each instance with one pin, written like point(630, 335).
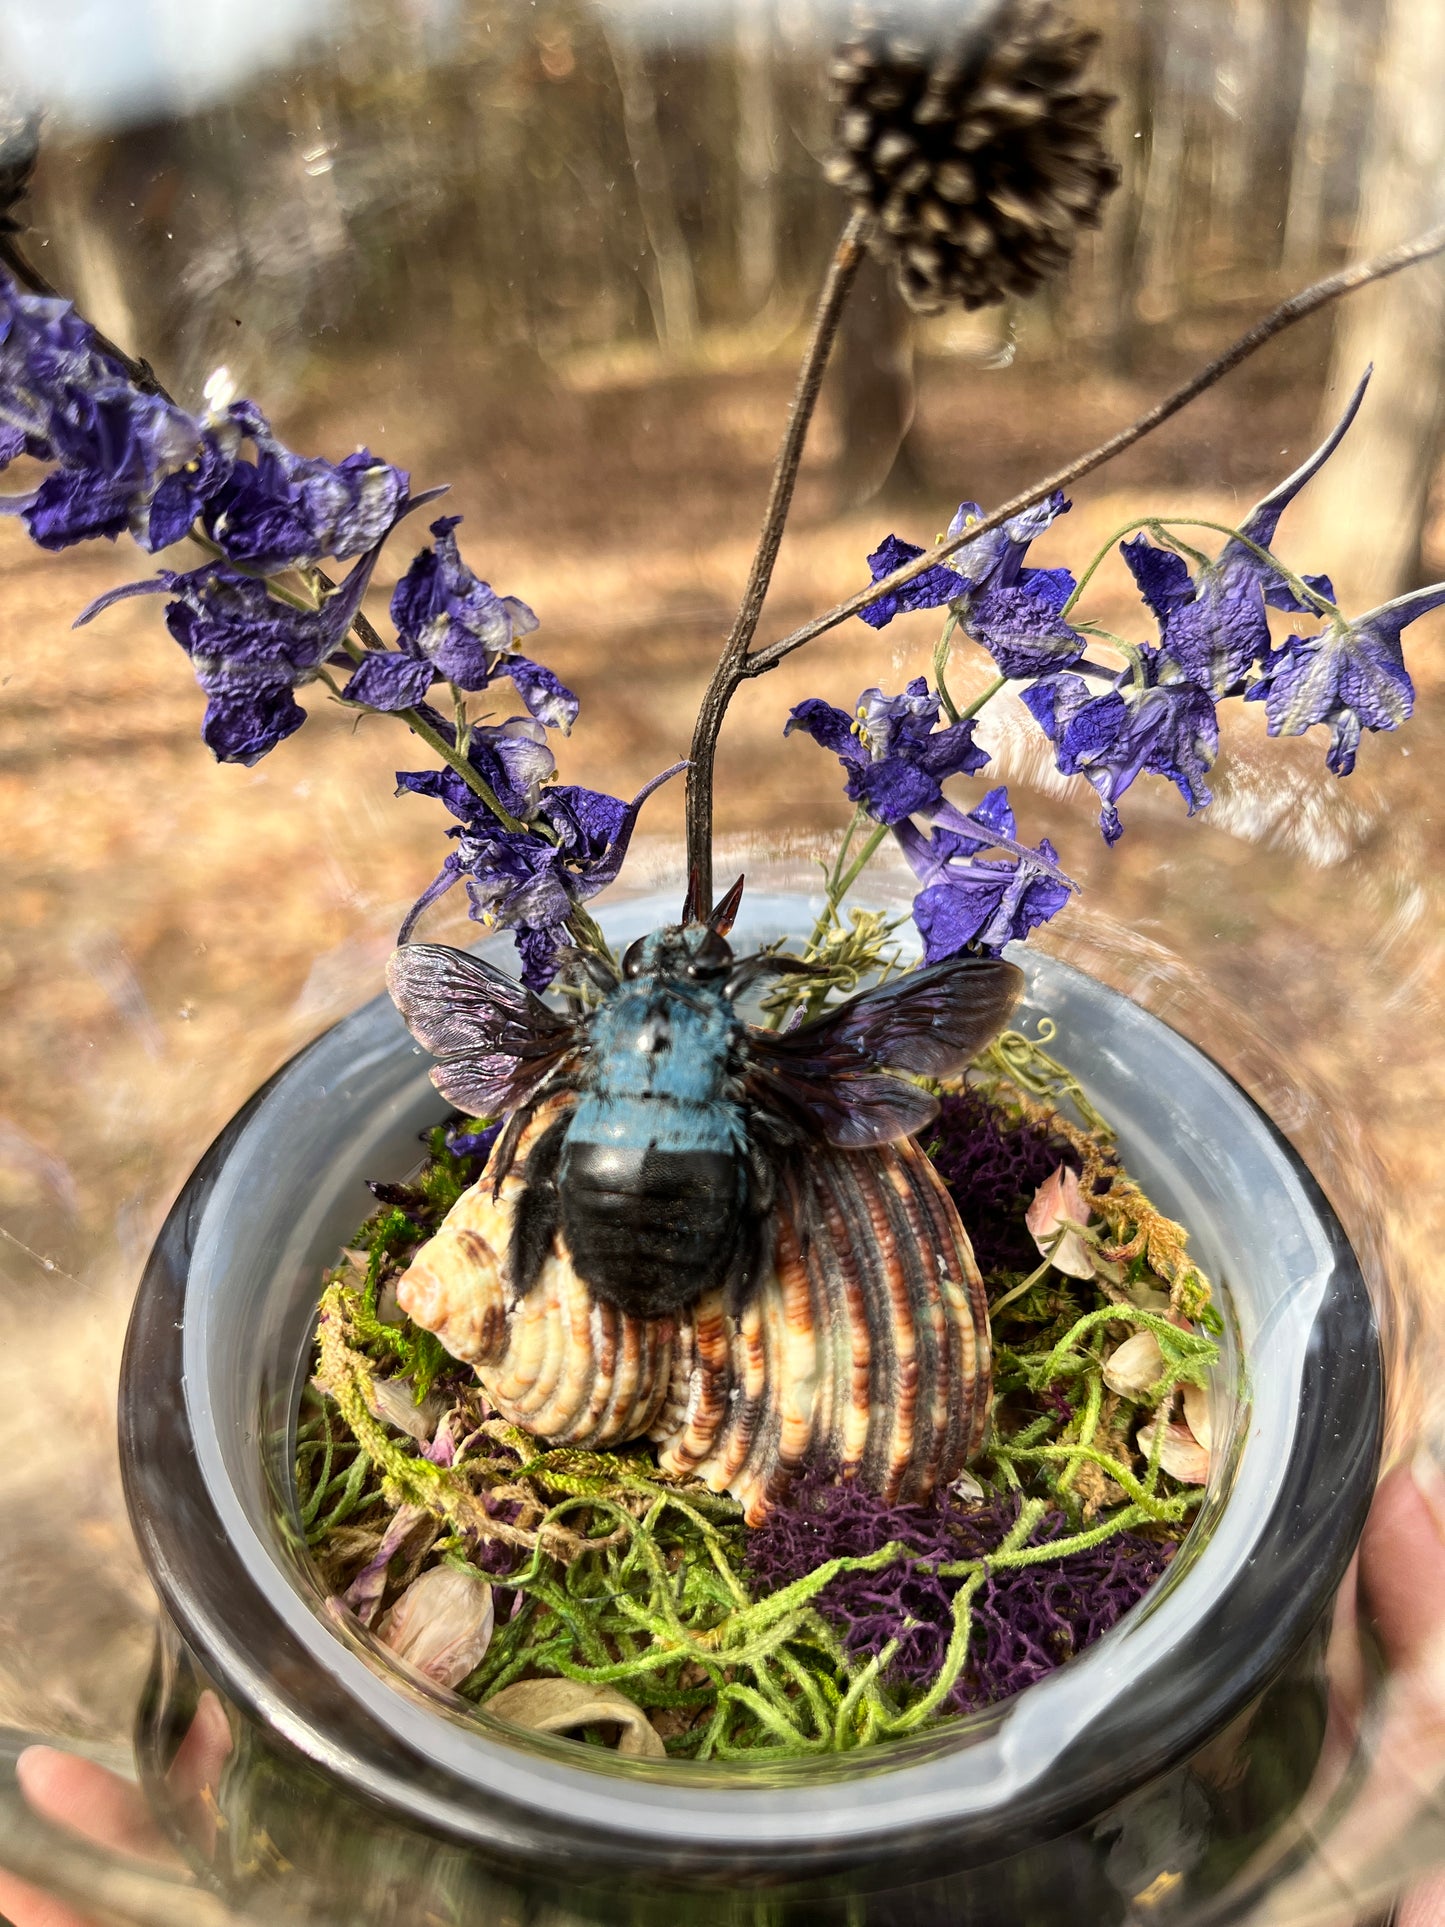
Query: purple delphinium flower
point(511, 758)
point(1022, 625)
point(454, 627)
point(895, 756)
point(45, 351)
point(983, 888)
point(124, 459)
point(1213, 625)
point(128, 459)
point(1351, 675)
point(288, 511)
point(1166, 726)
point(993, 561)
point(927, 591)
point(473, 1144)
point(531, 879)
point(249, 650)
point(996, 560)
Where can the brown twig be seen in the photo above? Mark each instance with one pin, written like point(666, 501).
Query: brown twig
point(731, 668)
point(1306, 302)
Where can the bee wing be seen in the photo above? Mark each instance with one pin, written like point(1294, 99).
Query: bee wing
point(497, 1041)
point(852, 1109)
point(931, 1022)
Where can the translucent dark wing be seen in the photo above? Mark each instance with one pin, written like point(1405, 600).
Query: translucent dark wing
point(497, 1041)
point(853, 1110)
point(833, 1071)
point(932, 1022)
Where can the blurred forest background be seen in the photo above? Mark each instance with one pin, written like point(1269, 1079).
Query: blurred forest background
point(562, 255)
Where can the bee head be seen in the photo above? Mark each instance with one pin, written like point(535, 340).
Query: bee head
point(694, 952)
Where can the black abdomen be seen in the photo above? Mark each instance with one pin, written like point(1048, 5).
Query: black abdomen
point(650, 1229)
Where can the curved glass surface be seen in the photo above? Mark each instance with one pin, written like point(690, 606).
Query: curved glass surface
point(561, 255)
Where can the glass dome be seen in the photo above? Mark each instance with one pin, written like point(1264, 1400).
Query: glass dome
point(562, 257)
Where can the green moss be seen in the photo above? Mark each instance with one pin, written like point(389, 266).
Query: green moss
point(611, 1572)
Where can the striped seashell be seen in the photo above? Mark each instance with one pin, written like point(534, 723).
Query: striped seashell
point(865, 1348)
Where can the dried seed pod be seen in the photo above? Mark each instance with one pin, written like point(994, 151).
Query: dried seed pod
point(978, 152)
point(865, 1347)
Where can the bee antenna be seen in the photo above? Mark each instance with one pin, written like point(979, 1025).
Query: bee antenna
point(725, 911)
point(692, 907)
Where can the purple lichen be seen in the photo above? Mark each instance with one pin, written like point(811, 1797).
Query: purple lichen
point(1026, 1620)
point(992, 1170)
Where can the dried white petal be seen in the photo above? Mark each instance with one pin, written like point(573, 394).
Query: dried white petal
point(1136, 1365)
point(1196, 1415)
point(967, 1487)
point(562, 1705)
point(1181, 1455)
point(442, 1624)
point(1056, 1217)
point(394, 1403)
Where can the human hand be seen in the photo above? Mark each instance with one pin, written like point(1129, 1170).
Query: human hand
point(1402, 1575)
point(107, 1811)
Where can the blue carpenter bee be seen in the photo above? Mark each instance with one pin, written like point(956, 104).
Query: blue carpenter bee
point(661, 1174)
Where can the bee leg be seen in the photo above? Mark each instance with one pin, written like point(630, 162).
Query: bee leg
point(505, 1148)
point(538, 1212)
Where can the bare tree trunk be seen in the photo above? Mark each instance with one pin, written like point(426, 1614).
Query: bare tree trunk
point(1118, 257)
point(756, 154)
point(1369, 505)
point(1157, 248)
point(872, 390)
point(1304, 221)
point(675, 306)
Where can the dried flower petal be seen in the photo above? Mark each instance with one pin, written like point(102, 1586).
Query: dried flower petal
point(1056, 1216)
point(442, 1624)
point(364, 1594)
point(394, 1402)
point(562, 1705)
point(1181, 1455)
point(1196, 1415)
point(1136, 1365)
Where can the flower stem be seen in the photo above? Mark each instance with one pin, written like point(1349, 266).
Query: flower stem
point(467, 771)
point(984, 696)
point(731, 668)
point(942, 650)
point(1296, 308)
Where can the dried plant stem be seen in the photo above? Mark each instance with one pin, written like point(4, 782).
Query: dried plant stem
point(1296, 308)
point(732, 666)
point(30, 278)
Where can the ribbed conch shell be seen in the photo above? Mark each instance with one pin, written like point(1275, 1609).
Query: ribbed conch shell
point(865, 1347)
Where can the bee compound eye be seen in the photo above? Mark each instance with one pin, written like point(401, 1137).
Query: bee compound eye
point(632, 957)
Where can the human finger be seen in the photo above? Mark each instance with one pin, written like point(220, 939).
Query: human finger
point(88, 1800)
point(1402, 1565)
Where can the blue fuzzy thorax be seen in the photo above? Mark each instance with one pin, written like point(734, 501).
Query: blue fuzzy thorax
point(659, 1068)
